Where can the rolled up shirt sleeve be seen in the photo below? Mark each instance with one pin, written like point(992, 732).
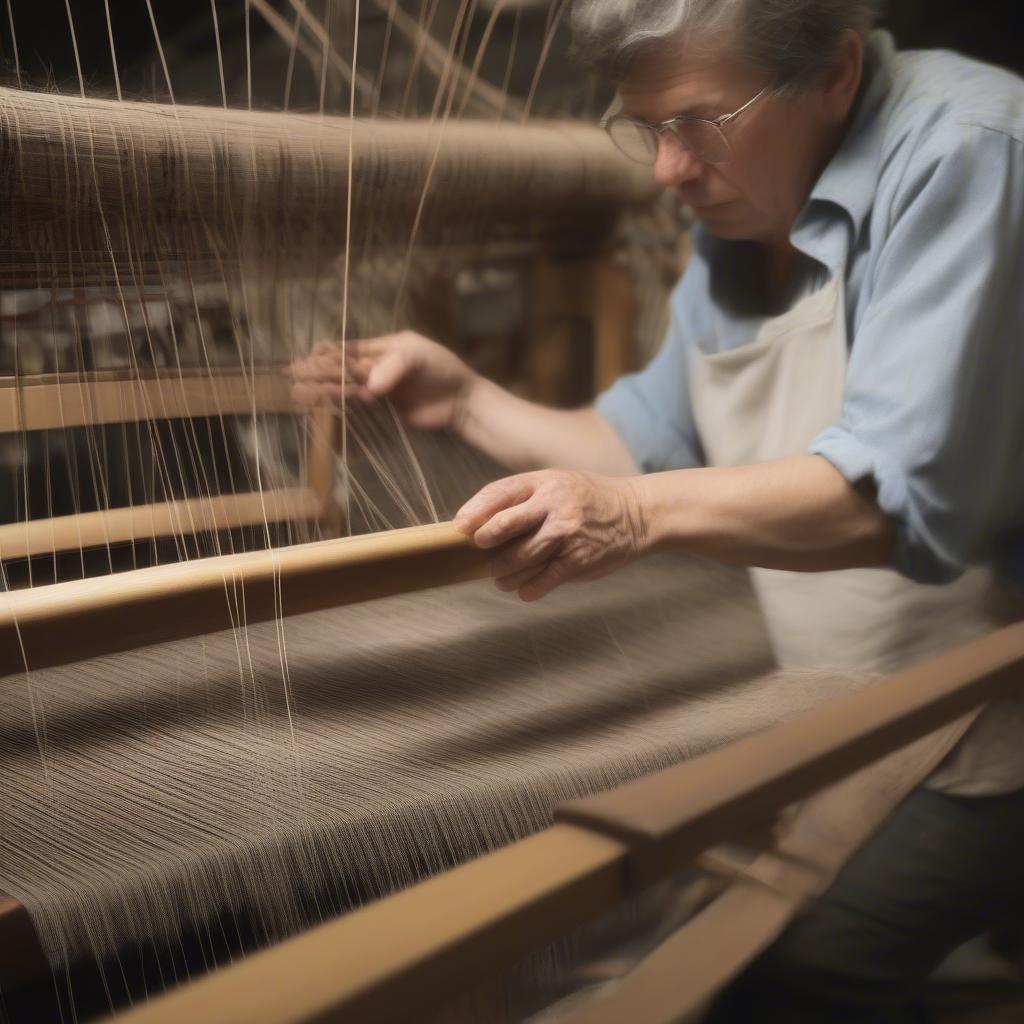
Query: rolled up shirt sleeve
point(651, 410)
point(933, 408)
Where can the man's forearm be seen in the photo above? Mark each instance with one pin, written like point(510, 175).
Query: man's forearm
point(524, 436)
point(798, 514)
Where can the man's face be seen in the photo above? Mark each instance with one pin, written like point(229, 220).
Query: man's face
point(779, 146)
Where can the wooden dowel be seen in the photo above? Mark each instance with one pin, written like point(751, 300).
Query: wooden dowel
point(675, 982)
point(669, 817)
point(321, 425)
point(162, 519)
point(54, 401)
point(169, 602)
point(396, 958)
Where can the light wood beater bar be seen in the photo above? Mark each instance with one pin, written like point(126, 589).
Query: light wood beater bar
point(116, 613)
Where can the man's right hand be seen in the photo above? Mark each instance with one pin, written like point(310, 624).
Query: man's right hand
point(427, 384)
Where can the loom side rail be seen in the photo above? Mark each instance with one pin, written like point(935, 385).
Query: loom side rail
point(668, 817)
point(110, 614)
point(364, 967)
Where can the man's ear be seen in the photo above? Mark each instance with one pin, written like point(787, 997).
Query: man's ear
point(843, 78)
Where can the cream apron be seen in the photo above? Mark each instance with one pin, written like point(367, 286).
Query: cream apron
point(767, 400)
point(770, 399)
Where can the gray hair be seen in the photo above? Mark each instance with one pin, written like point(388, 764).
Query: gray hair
point(794, 41)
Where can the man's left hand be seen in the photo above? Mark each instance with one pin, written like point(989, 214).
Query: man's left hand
point(555, 527)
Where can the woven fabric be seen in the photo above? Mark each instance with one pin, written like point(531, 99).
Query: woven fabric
point(302, 766)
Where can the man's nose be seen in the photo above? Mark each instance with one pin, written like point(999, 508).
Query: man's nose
point(674, 165)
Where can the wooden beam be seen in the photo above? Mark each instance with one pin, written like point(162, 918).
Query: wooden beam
point(321, 456)
point(393, 960)
point(289, 176)
point(400, 958)
point(163, 519)
point(614, 317)
point(56, 401)
point(169, 602)
point(669, 817)
point(676, 981)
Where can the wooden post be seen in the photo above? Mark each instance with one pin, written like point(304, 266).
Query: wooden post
point(551, 333)
point(320, 468)
point(613, 309)
point(567, 297)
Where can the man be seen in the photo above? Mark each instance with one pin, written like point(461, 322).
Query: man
point(836, 405)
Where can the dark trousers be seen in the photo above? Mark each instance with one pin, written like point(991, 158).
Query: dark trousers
point(942, 870)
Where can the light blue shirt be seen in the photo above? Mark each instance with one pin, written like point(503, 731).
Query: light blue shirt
point(922, 212)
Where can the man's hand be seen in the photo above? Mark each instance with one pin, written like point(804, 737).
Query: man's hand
point(554, 527)
point(428, 385)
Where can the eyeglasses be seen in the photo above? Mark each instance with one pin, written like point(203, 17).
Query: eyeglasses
point(705, 140)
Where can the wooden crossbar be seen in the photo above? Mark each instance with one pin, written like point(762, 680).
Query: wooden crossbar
point(398, 959)
point(392, 960)
point(690, 967)
point(63, 401)
point(59, 401)
point(672, 815)
point(163, 519)
point(170, 602)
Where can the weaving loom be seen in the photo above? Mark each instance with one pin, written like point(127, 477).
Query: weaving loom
point(160, 264)
point(220, 724)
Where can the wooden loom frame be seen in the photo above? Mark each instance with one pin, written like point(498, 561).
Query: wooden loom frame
point(189, 157)
point(410, 953)
point(59, 401)
point(369, 965)
point(105, 614)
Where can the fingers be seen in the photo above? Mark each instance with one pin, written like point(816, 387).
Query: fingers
point(368, 348)
point(323, 378)
point(494, 515)
point(317, 380)
point(376, 366)
point(529, 553)
point(361, 347)
point(383, 377)
point(312, 394)
point(515, 580)
point(551, 577)
point(333, 358)
point(551, 527)
point(534, 583)
point(316, 368)
point(327, 349)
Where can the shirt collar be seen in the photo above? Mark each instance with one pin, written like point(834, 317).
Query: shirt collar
point(851, 177)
